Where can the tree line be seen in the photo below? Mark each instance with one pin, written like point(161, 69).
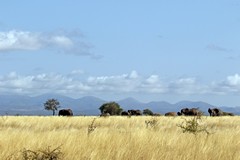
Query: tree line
point(113, 108)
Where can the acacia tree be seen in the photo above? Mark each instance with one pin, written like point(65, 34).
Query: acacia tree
point(147, 112)
point(112, 108)
point(52, 104)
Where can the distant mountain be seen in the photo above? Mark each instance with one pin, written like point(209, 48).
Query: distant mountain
point(235, 110)
point(198, 104)
point(25, 105)
point(89, 105)
point(203, 106)
point(130, 103)
point(161, 107)
point(13, 101)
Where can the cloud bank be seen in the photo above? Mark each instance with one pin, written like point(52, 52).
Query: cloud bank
point(63, 42)
point(75, 83)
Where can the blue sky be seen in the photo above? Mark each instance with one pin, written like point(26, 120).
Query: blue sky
point(149, 50)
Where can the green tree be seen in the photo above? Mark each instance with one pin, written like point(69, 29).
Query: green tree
point(147, 112)
point(112, 108)
point(52, 104)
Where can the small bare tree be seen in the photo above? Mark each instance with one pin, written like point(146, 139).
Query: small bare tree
point(52, 104)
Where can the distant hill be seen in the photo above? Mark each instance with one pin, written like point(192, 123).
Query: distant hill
point(25, 105)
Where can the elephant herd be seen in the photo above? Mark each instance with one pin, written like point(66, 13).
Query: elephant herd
point(68, 112)
point(190, 112)
point(186, 112)
point(196, 112)
point(183, 112)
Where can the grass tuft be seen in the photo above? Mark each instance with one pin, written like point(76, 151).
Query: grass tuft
point(193, 126)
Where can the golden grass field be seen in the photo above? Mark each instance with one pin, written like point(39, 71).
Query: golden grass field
point(120, 138)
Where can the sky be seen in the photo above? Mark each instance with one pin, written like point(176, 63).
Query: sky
point(158, 50)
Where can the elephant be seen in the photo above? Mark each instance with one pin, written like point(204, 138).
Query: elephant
point(125, 113)
point(156, 114)
point(179, 113)
point(215, 112)
point(218, 112)
point(171, 114)
point(135, 112)
point(190, 112)
point(65, 112)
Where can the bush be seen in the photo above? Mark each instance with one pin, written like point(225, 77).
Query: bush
point(147, 112)
point(152, 124)
point(44, 154)
point(193, 126)
point(112, 108)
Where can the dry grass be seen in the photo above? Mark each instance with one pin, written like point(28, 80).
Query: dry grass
point(120, 138)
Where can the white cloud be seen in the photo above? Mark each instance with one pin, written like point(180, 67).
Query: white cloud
point(133, 75)
point(153, 79)
point(153, 84)
point(19, 40)
point(117, 83)
point(233, 80)
point(187, 86)
point(230, 84)
point(185, 81)
point(39, 84)
point(62, 42)
point(71, 84)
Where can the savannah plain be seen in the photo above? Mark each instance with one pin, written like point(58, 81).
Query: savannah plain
point(118, 138)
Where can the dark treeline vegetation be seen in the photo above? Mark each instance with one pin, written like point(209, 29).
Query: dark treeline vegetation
point(113, 108)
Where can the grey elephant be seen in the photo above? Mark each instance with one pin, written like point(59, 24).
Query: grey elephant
point(134, 112)
point(190, 112)
point(171, 114)
point(179, 114)
point(218, 112)
point(125, 113)
point(65, 112)
point(156, 114)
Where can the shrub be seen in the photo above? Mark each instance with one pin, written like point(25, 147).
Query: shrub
point(44, 154)
point(153, 123)
point(112, 108)
point(193, 126)
point(147, 112)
